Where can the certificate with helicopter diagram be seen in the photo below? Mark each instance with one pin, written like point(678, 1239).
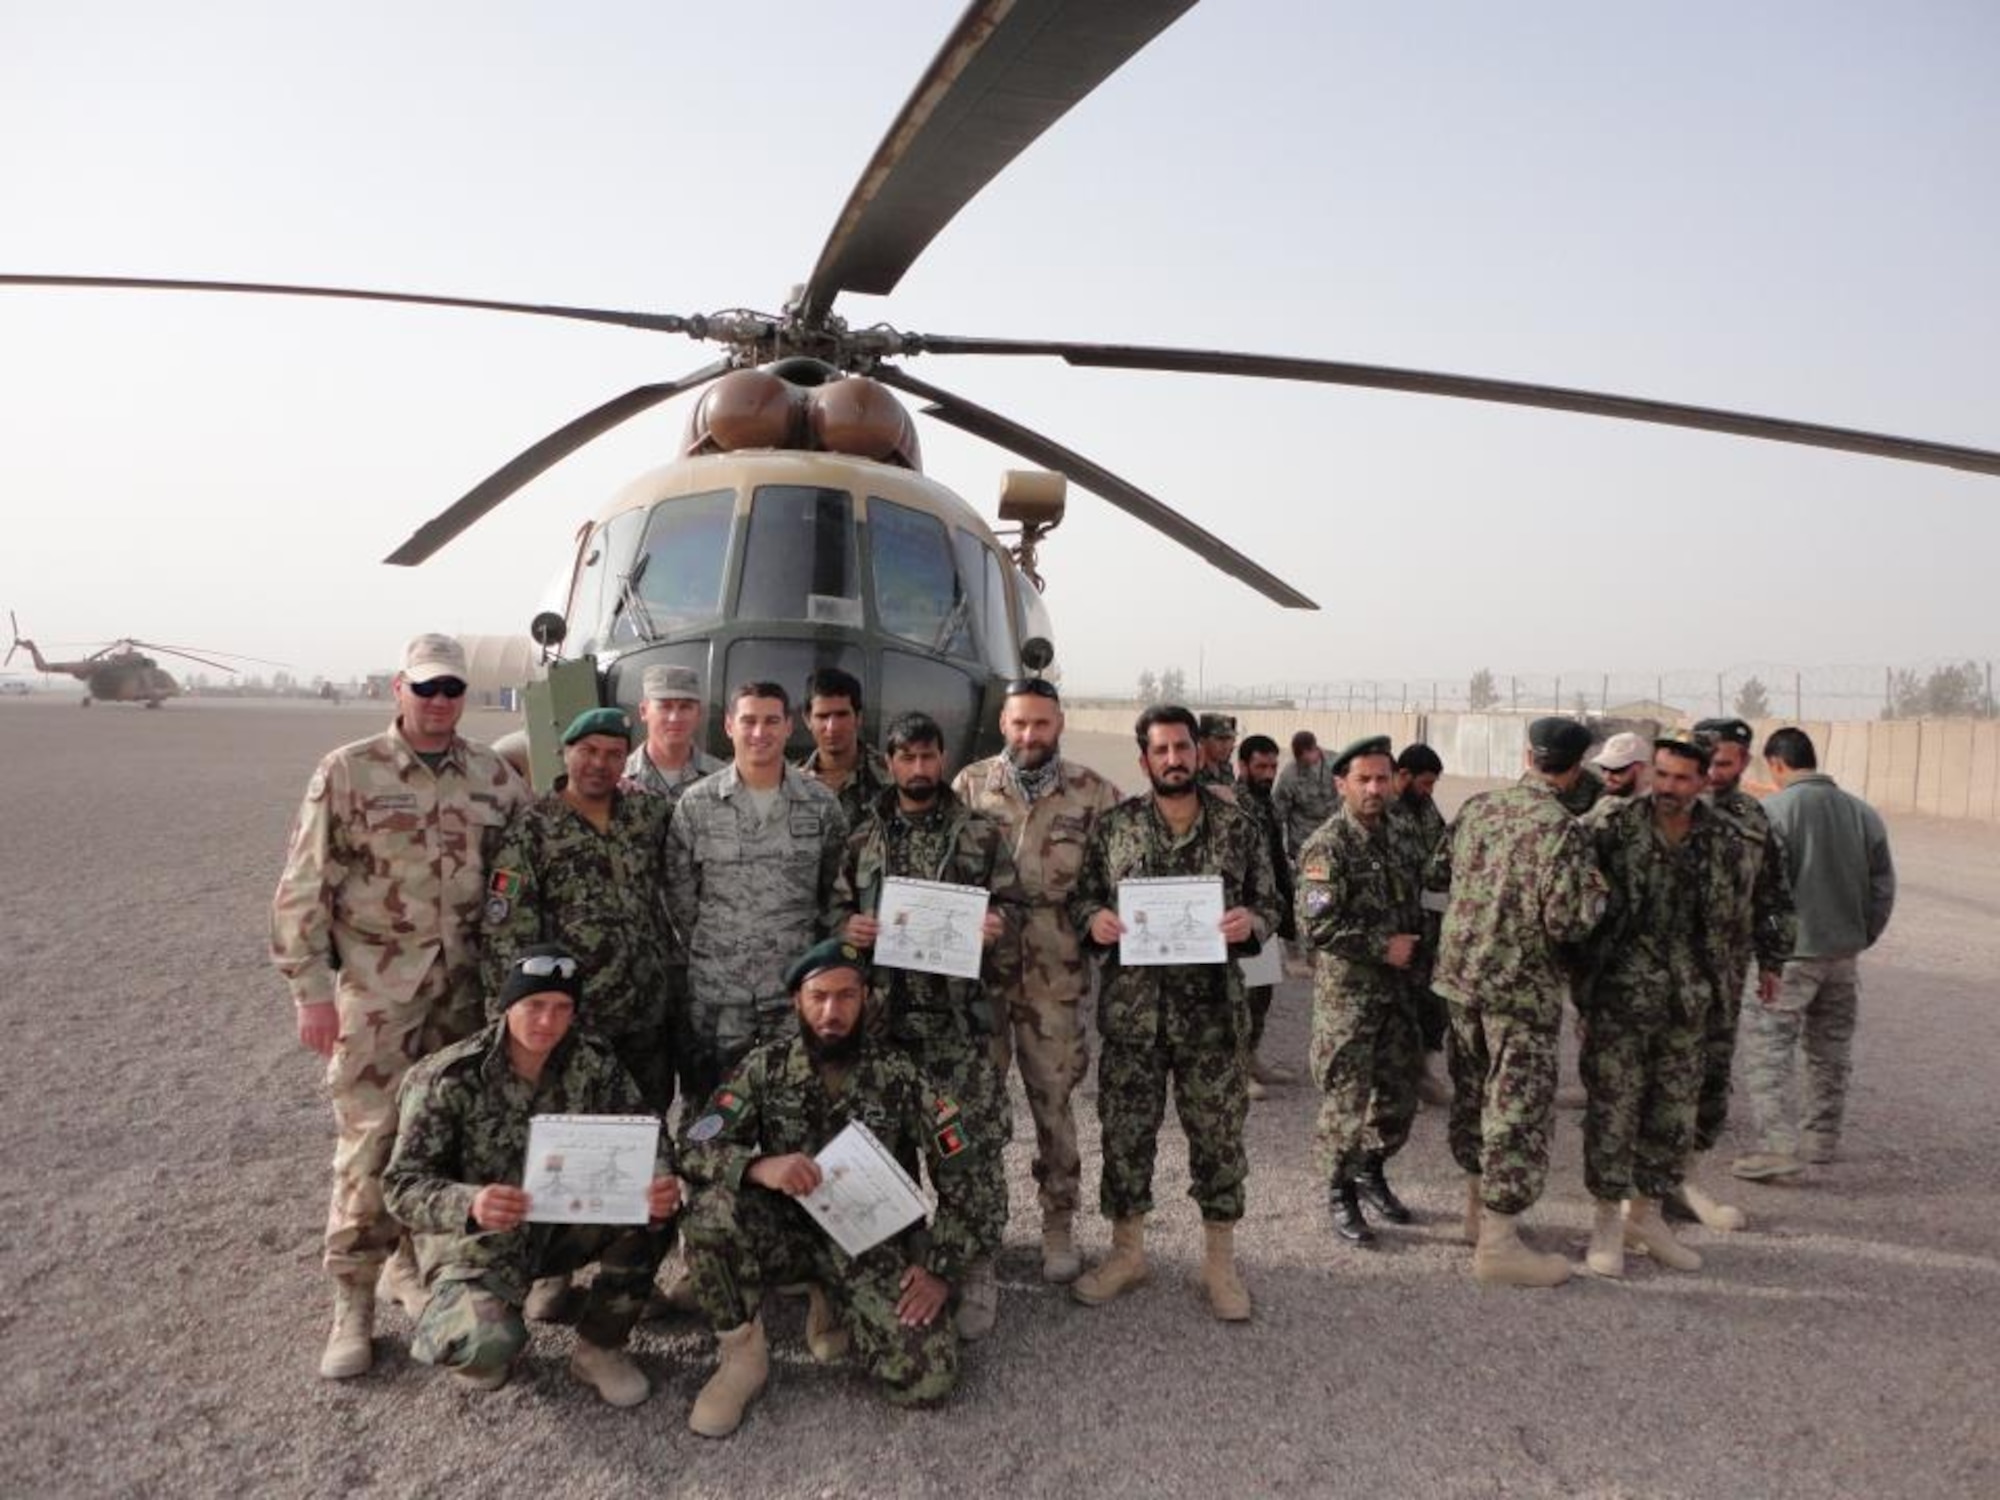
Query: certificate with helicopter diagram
point(1174, 919)
point(931, 927)
point(589, 1169)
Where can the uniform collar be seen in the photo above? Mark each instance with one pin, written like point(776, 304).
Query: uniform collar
point(407, 757)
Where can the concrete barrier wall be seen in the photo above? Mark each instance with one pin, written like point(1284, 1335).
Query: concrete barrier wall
point(1944, 768)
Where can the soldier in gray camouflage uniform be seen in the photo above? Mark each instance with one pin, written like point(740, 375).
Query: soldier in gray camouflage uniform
point(455, 1179)
point(375, 926)
point(1047, 805)
point(1304, 796)
point(1360, 908)
point(670, 759)
point(1178, 1024)
point(854, 772)
point(752, 858)
point(920, 831)
point(749, 1157)
point(1522, 884)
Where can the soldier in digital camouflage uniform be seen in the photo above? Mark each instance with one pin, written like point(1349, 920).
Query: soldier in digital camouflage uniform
point(1183, 1025)
point(1418, 768)
point(1523, 884)
point(1360, 909)
point(753, 855)
point(854, 772)
point(375, 927)
point(1765, 924)
point(670, 758)
point(1216, 745)
point(456, 1174)
point(1257, 762)
point(921, 831)
point(1666, 945)
point(1304, 796)
point(749, 1157)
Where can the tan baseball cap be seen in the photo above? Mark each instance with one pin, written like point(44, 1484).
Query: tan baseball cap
point(430, 657)
point(667, 682)
point(1620, 751)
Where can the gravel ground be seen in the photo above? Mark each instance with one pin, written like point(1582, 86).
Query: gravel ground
point(164, 1172)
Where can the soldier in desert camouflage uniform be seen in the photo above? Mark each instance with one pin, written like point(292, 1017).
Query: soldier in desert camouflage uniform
point(1360, 908)
point(1667, 943)
point(670, 758)
point(374, 926)
point(1178, 1024)
point(456, 1173)
point(854, 772)
point(750, 1156)
point(752, 857)
point(921, 831)
point(1523, 884)
point(1047, 805)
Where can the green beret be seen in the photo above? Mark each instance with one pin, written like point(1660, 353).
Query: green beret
point(834, 953)
point(1373, 744)
point(610, 721)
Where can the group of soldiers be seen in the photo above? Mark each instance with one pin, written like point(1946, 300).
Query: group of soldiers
point(660, 925)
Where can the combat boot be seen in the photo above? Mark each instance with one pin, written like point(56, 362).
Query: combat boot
point(1119, 1272)
point(350, 1348)
point(827, 1338)
point(1819, 1148)
point(1373, 1185)
point(1606, 1256)
point(1270, 1074)
point(1060, 1262)
point(978, 1301)
point(1475, 1209)
point(744, 1365)
point(1712, 1213)
point(1227, 1298)
point(1502, 1260)
point(612, 1373)
point(551, 1299)
point(402, 1282)
point(1767, 1166)
point(1255, 1090)
point(673, 1292)
point(1646, 1230)
point(1343, 1201)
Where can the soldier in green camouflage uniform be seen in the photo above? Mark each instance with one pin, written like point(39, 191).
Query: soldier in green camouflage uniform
point(1584, 793)
point(920, 831)
point(375, 926)
point(1522, 884)
point(1179, 1024)
point(1304, 797)
point(748, 1158)
point(1418, 768)
point(1257, 760)
point(455, 1180)
point(1217, 744)
point(585, 866)
point(1359, 907)
point(854, 772)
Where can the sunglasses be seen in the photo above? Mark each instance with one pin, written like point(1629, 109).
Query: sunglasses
point(1034, 687)
point(543, 965)
point(450, 687)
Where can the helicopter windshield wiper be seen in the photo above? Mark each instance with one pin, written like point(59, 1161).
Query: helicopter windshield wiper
point(628, 599)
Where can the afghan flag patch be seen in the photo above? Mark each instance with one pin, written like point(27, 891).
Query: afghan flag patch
point(727, 1103)
point(506, 884)
point(944, 1108)
point(950, 1139)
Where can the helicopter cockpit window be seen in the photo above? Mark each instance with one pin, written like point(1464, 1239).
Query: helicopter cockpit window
point(917, 592)
point(979, 566)
point(594, 600)
point(799, 561)
point(675, 582)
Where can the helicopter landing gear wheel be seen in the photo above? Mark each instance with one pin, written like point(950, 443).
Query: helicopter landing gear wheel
point(86, 700)
point(152, 703)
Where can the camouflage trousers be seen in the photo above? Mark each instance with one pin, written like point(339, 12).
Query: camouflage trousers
point(473, 1319)
point(1815, 1015)
point(1366, 1054)
point(1433, 1018)
point(1642, 1080)
point(1503, 1074)
point(1259, 1000)
point(963, 1068)
point(648, 1055)
point(1210, 1078)
point(1047, 1036)
point(740, 1241)
point(378, 1041)
point(1718, 1060)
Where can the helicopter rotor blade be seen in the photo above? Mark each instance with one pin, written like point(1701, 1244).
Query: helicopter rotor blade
point(1478, 388)
point(191, 655)
point(1009, 70)
point(656, 322)
point(529, 463)
point(1128, 497)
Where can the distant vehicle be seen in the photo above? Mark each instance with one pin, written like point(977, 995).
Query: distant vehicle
point(14, 687)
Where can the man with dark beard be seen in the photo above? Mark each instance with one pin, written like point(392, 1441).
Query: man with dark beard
point(1047, 805)
point(1257, 774)
point(920, 831)
point(1418, 768)
point(751, 1156)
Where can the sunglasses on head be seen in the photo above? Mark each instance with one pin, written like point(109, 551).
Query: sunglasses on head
point(449, 687)
point(1035, 687)
point(543, 965)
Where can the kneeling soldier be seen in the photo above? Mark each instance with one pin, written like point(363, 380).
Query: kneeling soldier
point(453, 1179)
point(749, 1157)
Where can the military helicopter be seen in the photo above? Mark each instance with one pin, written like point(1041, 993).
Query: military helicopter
point(118, 673)
point(796, 528)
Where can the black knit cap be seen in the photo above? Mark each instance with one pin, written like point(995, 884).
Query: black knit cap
point(1557, 743)
point(541, 969)
point(1734, 730)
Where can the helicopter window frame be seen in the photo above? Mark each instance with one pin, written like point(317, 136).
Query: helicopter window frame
point(604, 560)
point(900, 535)
point(984, 577)
point(705, 518)
point(759, 583)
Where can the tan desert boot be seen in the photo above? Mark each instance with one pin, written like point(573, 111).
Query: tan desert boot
point(1060, 1262)
point(1606, 1256)
point(1256, 1090)
point(1646, 1230)
point(978, 1301)
point(827, 1338)
point(350, 1349)
point(1120, 1271)
point(738, 1379)
point(1500, 1259)
point(1227, 1298)
point(1475, 1209)
point(612, 1373)
point(1713, 1213)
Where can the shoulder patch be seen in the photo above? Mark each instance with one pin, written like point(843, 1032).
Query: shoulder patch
point(944, 1108)
point(505, 884)
point(1320, 870)
point(498, 909)
point(950, 1139)
point(726, 1104)
point(707, 1128)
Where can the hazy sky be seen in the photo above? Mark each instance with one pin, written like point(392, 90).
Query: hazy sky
point(1790, 208)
